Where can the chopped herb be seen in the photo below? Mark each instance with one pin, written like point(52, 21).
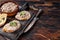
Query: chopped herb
point(22, 13)
point(13, 23)
point(0, 21)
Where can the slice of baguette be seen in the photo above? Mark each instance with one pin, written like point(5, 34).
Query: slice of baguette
point(3, 18)
point(8, 28)
point(23, 18)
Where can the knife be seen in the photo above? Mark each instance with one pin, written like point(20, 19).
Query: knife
point(24, 6)
point(33, 21)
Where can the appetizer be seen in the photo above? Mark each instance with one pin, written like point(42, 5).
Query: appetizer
point(23, 15)
point(3, 18)
point(10, 8)
point(12, 26)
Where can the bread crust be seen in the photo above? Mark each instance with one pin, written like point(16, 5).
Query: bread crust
point(10, 29)
point(24, 18)
point(1, 24)
point(11, 13)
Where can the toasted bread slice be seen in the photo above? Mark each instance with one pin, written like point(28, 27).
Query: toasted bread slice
point(12, 26)
point(23, 15)
point(3, 18)
point(10, 8)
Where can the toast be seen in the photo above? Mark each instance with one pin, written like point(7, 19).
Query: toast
point(3, 18)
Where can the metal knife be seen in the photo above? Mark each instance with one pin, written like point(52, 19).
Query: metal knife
point(23, 7)
point(33, 21)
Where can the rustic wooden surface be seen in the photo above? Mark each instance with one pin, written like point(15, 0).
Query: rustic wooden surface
point(47, 27)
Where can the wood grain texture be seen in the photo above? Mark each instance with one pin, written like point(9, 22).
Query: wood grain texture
point(47, 27)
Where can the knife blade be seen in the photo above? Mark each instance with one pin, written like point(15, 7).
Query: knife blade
point(33, 21)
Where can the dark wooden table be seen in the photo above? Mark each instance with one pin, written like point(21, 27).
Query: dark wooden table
point(47, 27)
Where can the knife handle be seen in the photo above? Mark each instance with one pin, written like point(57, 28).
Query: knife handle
point(24, 6)
point(39, 11)
point(31, 24)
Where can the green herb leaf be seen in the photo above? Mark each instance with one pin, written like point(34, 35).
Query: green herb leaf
point(0, 21)
point(13, 23)
point(22, 13)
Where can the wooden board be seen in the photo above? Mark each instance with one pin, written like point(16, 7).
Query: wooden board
point(47, 27)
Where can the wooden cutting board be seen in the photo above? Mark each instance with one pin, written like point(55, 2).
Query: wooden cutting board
point(47, 27)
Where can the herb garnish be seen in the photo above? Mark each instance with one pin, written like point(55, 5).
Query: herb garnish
point(22, 13)
point(13, 23)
